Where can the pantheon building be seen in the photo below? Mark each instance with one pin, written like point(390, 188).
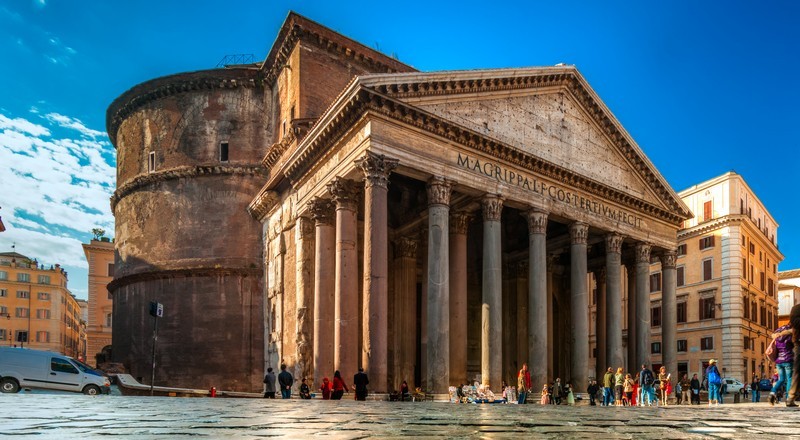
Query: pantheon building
point(332, 208)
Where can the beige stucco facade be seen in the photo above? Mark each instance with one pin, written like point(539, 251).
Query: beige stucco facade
point(100, 256)
point(35, 301)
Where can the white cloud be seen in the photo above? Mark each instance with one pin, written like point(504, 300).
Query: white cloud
point(55, 188)
point(75, 124)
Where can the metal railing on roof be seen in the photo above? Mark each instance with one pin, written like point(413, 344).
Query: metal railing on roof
point(241, 58)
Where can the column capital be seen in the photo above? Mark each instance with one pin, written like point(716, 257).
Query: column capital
point(668, 259)
point(406, 247)
point(321, 211)
point(439, 190)
point(459, 222)
point(643, 253)
point(492, 207)
point(537, 221)
point(614, 243)
point(579, 233)
point(376, 168)
point(344, 193)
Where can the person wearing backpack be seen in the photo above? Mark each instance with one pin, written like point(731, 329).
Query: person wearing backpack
point(783, 349)
point(646, 380)
point(714, 382)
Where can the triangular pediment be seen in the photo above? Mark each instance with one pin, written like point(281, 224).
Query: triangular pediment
point(551, 126)
point(549, 113)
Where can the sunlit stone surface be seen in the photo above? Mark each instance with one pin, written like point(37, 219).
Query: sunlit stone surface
point(77, 416)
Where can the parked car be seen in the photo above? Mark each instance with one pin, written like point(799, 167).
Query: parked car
point(765, 385)
point(26, 368)
point(732, 385)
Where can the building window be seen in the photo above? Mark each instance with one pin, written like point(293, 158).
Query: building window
point(746, 343)
point(151, 162)
point(744, 268)
point(44, 296)
point(24, 277)
point(769, 319)
point(21, 312)
point(707, 307)
point(682, 345)
point(707, 343)
point(679, 276)
point(44, 279)
point(753, 311)
point(22, 293)
point(746, 308)
point(752, 248)
point(2, 334)
point(763, 315)
point(761, 280)
point(655, 316)
point(741, 206)
point(21, 336)
point(223, 152)
point(111, 269)
point(681, 312)
point(682, 249)
point(3, 293)
point(655, 347)
point(42, 314)
point(4, 310)
point(108, 319)
point(707, 212)
point(744, 241)
point(42, 336)
point(707, 242)
point(3, 275)
point(655, 282)
point(707, 269)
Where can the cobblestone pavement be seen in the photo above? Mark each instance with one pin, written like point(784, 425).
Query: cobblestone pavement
point(78, 416)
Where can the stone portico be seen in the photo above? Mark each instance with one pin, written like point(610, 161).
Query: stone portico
point(440, 227)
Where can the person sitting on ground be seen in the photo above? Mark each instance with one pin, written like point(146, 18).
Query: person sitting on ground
point(404, 394)
point(305, 392)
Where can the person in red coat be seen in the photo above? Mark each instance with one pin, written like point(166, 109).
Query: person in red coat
point(326, 388)
point(339, 387)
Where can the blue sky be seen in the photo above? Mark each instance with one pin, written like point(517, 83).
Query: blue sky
point(703, 87)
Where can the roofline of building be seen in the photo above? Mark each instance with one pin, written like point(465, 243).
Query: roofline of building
point(789, 273)
point(721, 178)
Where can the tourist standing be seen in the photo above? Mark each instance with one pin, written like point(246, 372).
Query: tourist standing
point(326, 388)
point(619, 386)
point(558, 392)
point(545, 395)
point(627, 388)
point(695, 387)
point(608, 383)
point(305, 392)
point(523, 383)
point(269, 384)
point(794, 321)
point(360, 382)
point(686, 391)
point(339, 387)
point(755, 390)
point(784, 347)
point(570, 396)
point(663, 384)
point(714, 382)
point(646, 380)
point(592, 390)
point(285, 380)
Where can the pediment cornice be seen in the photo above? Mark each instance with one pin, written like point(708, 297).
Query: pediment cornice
point(370, 95)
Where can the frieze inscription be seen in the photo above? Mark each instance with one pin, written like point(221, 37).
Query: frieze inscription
point(497, 172)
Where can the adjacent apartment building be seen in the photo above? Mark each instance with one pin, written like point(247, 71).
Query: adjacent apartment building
point(788, 293)
point(37, 309)
point(727, 270)
point(100, 255)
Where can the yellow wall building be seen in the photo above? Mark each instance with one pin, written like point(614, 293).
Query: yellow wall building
point(727, 271)
point(100, 255)
point(36, 305)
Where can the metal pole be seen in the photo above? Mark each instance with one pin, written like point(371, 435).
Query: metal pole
point(155, 339)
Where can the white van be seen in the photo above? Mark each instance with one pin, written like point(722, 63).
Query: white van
point(26, 368)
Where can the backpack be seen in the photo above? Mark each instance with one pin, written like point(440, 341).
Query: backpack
point(713, 377)
point(648, 378)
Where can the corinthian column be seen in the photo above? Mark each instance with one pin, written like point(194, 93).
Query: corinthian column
point(345, 311)
point(492, 308)
point(614, 354)
point(579, 233)
point(375, 357)
point(459, 222)
point(601, 362)
point(669, 312)
point(324, 271)
point(438, 286)
point(630, 269)
point(405, 310)
point(538, 315)
point(642, 305)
